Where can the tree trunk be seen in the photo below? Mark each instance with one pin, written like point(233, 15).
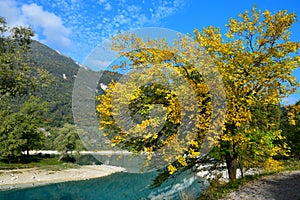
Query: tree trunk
point(241, 167)
point(231, 163)
point(27, 144)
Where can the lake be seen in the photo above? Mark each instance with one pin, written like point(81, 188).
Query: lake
point(118, 186)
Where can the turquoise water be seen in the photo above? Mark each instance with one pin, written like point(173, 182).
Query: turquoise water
point(118, 186)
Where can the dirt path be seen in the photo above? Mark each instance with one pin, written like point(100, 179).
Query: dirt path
point(282, 186)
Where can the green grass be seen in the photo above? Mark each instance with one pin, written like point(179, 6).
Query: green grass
point(46, 163)
point(218, 190)
point(291, 165)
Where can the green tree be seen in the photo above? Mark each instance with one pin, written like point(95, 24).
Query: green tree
point(290, 126)
point(11, 140)
point(255, 58)
point(16, 76)
point(34, 114)
point(19, 130)
point(50, 135)
point(67, 141)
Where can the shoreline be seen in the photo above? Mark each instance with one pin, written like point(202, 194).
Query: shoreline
point(102, 152)
point(32, 177)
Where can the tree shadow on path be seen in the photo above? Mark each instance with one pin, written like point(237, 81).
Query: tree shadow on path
point(284, 186)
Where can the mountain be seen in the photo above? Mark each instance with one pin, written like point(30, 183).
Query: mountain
point(59, 94)
point(63, 71)
point(53, 61)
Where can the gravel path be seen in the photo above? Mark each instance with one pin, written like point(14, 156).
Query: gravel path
point(282, 186)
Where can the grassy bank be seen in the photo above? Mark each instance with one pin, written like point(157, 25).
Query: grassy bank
point(218, 190)
point(37, 161)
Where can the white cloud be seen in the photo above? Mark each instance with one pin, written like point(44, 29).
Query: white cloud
point(107, 6)
point(53, 29)
point(12, 13)
point(89, 22)
point(163, 8)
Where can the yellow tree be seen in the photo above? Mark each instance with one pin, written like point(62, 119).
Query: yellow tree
point(255, 59)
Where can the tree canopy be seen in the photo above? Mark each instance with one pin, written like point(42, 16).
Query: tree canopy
point(255, 59)
point(17, 77)
point(67, 140)
point(19, 130)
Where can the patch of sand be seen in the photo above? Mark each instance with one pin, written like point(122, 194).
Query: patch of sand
point(21, 178)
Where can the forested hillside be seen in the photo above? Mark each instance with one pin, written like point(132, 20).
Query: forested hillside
point(59, 93)
point(63, 71)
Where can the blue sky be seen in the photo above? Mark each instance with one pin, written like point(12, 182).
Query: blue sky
point(76, 27)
